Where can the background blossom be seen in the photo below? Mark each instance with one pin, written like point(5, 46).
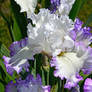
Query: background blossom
point(27, 6)
point(54, 5)
point(30, 84)
point(88, 85)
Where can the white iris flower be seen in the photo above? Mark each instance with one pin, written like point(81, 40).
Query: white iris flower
point(69, 63)
point(49, 34)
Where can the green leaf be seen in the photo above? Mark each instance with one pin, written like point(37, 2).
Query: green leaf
point(2, 15)
point(4, 69)
point(1, 87)
point(1, 74)
point(81, 83)
point(89, 20)
point(3, 50)
point(45, 3)
point(19, 22)
point(8, 24)
point(76, 8)
point(16, 33)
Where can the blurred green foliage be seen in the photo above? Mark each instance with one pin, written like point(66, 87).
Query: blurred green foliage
point(4, 31)
point(85, 11)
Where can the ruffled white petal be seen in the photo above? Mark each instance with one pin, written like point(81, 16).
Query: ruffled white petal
point(68, 65)
point(49, 31)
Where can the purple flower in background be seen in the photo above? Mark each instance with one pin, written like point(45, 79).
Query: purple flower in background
point(63, 7)
point(88, 85)
point(75, 89)
point(81, 34)
point(54, 5)
point(14, 48)
point(11, 87)
point(30, 84)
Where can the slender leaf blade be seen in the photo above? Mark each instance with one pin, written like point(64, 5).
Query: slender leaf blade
point(4, 69)
point(3, 50)
point(19, 22)
point(76, 8)
point(16, 33)
point(1, 87)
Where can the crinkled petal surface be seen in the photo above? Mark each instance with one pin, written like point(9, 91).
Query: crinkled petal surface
point(49, 30)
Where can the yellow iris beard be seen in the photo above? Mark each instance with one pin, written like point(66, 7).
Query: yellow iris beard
point(61, 54)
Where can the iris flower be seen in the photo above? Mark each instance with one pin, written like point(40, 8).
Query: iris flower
point(49, 35)
point(69, 63)
point(30, 84)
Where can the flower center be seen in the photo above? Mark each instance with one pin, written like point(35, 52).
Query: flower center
point(61, 54)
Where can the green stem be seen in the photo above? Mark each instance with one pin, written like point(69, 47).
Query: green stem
point(62, 86)
point(48, 78)
point(35, 68)
point(43, 77)
point(59, 85)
